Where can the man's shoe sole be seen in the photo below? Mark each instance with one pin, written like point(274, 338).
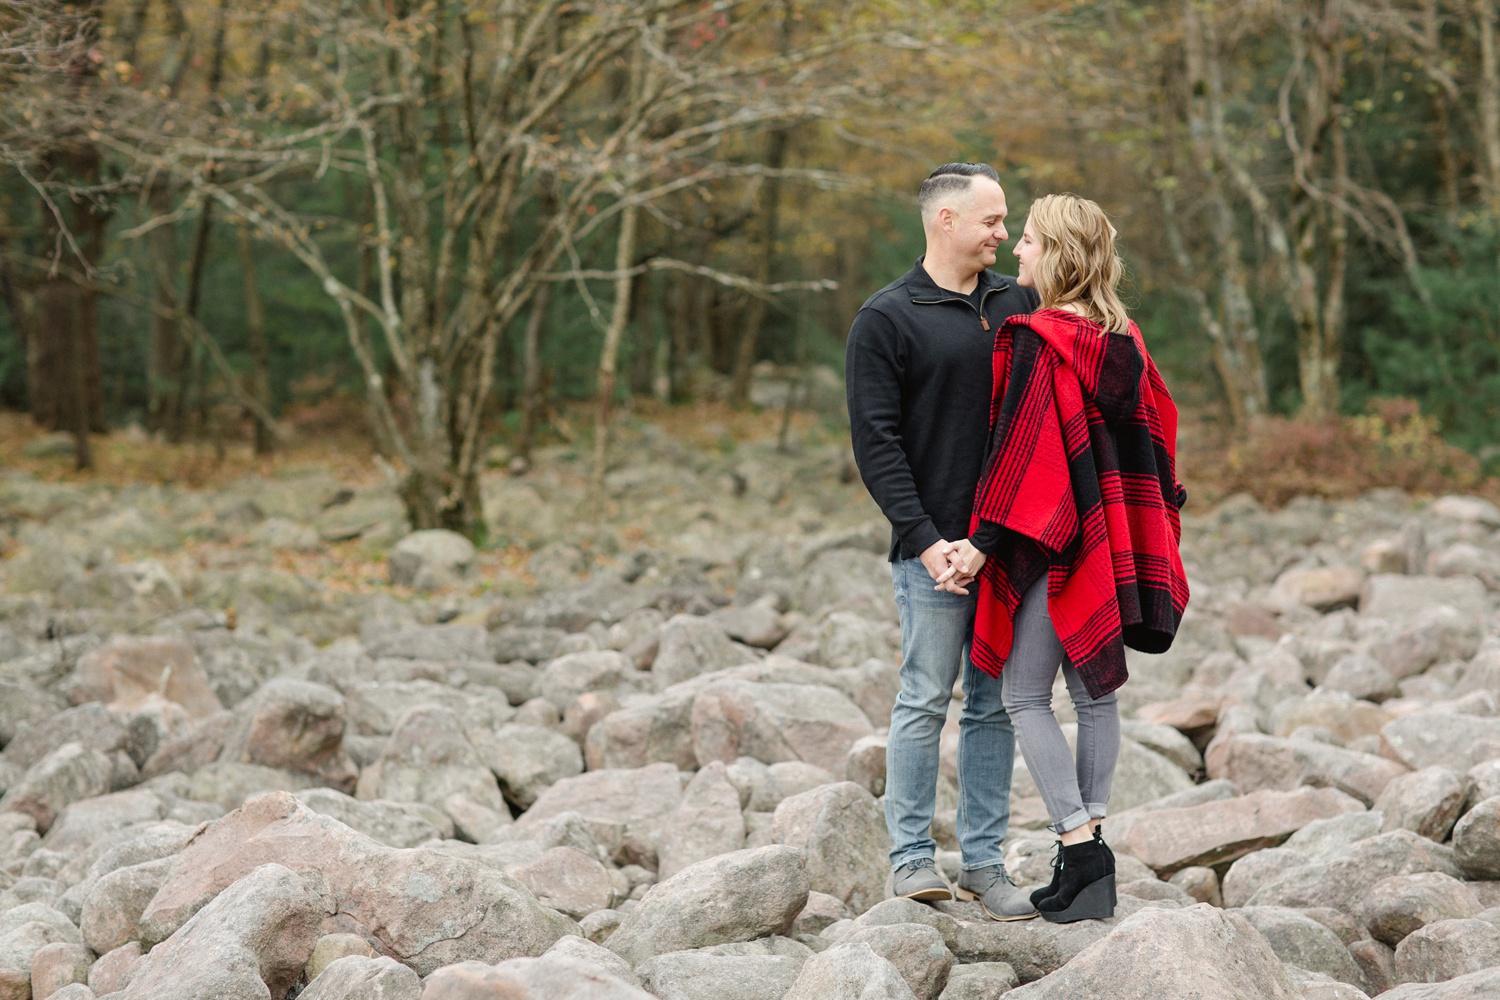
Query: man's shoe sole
point(969, 897)
point(933, 894)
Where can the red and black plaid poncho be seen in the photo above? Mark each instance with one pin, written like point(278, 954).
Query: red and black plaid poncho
point(1081, 471)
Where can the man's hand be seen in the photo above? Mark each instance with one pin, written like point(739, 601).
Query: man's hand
point(935, 558)
point(964, 564)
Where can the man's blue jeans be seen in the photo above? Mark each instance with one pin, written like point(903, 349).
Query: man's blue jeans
point(936, 629)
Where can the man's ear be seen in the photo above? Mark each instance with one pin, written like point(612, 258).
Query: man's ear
point(947, 218)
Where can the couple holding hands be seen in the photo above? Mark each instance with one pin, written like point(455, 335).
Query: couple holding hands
point(1021, 442)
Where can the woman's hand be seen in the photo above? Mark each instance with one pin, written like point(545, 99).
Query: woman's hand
point(964, 564)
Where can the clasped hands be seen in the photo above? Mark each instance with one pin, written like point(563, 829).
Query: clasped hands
point(953, 565)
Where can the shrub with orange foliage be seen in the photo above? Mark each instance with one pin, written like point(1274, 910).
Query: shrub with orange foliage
point(1392, 444)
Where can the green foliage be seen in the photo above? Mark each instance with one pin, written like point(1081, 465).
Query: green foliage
point(1447, 356)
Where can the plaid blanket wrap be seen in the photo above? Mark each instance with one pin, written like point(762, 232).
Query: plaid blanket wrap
point(1082, 472)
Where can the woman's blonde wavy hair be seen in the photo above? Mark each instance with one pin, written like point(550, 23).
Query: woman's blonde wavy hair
point(1078, 263)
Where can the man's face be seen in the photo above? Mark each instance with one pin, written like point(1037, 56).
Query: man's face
point(977, 223)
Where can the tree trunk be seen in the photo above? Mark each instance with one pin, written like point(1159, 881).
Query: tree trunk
point(609, 356)
point(168, 351)
point(1233, 334)
point(531, 390)
point(260, 353)
point(770, 218)
point(1489, 102)
point(64, 382)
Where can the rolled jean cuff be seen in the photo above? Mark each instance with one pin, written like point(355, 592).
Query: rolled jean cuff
point(1096, 810)
point(908, 859)
point(984, 864)
point(1072, 821)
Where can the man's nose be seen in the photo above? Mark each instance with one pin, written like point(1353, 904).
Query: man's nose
point(1001, 233)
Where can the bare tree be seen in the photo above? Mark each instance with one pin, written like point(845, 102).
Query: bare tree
point(456, 118)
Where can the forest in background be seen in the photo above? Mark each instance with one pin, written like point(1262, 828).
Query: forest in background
point(462, 217)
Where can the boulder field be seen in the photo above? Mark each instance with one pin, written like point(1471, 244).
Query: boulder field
point(650, 761)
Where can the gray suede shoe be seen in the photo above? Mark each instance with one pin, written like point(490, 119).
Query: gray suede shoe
point(919, 879)
point(996, 893)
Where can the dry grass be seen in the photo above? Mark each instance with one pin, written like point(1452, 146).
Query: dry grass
point(122, 458)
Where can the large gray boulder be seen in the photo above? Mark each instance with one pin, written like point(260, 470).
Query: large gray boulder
point(1476, 840)
point(1483, 985)
point(1441, 739)
point(430, 909)
point(604, 670)
point(358, 978)
point(1198, 951)
point(295, 726)
point(426, 560)
point(842, 833)
point(1401, 598)
point(1397, 906)
point(526, 759)
point(1254, 761)
point(625, 809)
point(1302, 941)
point(1342, 882)
point(427, 759)
point(70, 773)
point(690, 646)
point(849, 972)
point(734, 897)
point(692, 975)
point(1426, 802)
point(30, 927)
point(253, 940)
point(917, 951)
point(706, 823)
point(979, 981)
point(1447, 949)
point(394, 824)
point(774, 722)
point(1217, 832)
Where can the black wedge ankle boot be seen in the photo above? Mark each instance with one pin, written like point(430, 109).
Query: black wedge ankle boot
point(1086, 886)
point(1109, 862)
point(1050, 889)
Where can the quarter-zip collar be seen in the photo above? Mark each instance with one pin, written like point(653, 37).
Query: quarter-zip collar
point(925, 292)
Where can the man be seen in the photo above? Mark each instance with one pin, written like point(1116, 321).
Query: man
point(918, 379)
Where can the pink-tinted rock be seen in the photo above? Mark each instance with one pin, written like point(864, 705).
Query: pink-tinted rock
point(842, 833)
point(1216, 833)
point(294, 726)
point(57, 965)
point(111, 972)
point(1397, 906)
point(774, 722)
point(1255, 761)
point(426, 909)
point(260, 929)
point(128, 671)
point(69, 774)
point(567, 880)
point(625, 809)
point(706, 823)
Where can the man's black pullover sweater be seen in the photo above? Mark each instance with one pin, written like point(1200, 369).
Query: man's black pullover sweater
point(917, 371)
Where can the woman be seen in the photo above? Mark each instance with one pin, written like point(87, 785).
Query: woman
point(1076, 530)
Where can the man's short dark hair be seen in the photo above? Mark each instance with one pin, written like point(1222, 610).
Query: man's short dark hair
point(949, 179)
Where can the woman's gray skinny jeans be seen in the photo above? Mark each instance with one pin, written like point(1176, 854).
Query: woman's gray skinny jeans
point(1074, 792)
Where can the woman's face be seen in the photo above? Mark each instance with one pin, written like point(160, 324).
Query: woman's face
point(1028, 249)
